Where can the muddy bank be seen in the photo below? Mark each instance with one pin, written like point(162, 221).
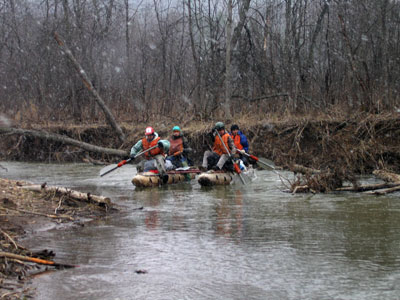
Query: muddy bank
point(24, 212)
point(355, 145)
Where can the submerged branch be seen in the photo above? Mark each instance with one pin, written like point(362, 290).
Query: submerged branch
point(34, 260)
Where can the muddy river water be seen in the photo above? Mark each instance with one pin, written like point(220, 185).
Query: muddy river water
point(229, 242)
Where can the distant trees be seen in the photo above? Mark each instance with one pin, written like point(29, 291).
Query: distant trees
point(180, 58)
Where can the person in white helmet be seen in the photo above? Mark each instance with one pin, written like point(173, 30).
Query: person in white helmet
point(155, 158)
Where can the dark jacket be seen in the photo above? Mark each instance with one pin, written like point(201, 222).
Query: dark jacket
point(243, 141)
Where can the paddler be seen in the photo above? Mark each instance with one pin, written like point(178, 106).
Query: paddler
point(178, 150)
point(241, 143)
point(218, 157)
point(155, 158)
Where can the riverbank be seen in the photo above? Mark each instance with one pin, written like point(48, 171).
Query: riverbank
point(24, 212)
point(356, 144)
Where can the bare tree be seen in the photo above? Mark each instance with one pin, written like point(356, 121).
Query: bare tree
point(228, 74)
point(150, 57)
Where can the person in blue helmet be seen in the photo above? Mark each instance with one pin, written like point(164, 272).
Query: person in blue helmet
point(178, 150)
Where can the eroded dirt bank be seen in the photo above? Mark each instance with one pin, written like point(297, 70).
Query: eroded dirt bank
point(354, 145)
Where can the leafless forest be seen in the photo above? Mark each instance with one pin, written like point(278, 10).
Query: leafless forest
point(198, 58)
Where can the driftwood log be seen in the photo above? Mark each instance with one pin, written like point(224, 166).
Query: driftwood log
point(385, 191)
point(391, 185)
point(368, 187)
point(387, 176)
point(99, 200)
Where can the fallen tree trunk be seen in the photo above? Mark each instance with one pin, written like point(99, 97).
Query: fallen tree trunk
point(63, 139)
point(387, 176)
point(86, 81)
point(384, 191)
point(369, 187)
point(99, 200)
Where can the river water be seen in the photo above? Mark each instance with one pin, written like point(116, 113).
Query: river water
point(229, 242)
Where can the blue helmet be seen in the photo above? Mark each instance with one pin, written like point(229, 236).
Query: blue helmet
point(176, 128)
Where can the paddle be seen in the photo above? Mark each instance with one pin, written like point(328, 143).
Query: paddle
point(265, 163)
point(235, 164)
point(113, 167)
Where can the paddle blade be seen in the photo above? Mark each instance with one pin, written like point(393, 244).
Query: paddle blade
point(266, 163)
point(242, 178)
point(239, 172)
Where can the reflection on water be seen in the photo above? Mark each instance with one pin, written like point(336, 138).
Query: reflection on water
point(228, 242)
point(229, 216)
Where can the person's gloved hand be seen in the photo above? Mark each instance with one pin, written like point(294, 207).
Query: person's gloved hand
point(132, 156)
point(241, 151)
point(160, 144)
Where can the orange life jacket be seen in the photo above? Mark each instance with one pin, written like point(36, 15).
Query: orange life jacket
point(146, 145)
point(236, 141)
point(176, 146)
point(218, 146)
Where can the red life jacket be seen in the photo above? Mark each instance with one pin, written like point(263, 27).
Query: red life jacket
point(176, 146)
point(236, 141)
point(146, 145)
point(218, 146)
